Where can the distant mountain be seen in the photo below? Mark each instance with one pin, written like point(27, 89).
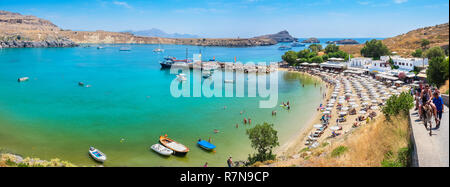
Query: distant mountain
point(282, 36)
point(159, 33)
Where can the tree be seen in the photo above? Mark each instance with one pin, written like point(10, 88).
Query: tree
point(434, 52)
point(332, 48)
point(315, 47)
point(396, 104)
point(290, 57)
point(424, 43)
point(418, 53)
point(374, 49)
point(316, 59)
point(437, 72)
point(263, 138)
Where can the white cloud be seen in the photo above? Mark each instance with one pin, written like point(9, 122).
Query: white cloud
point(122, 3)
point(400, 1)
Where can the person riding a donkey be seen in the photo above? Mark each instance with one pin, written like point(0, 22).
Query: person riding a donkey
point(426, 104)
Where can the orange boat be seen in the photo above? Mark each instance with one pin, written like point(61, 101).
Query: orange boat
point(173, 145)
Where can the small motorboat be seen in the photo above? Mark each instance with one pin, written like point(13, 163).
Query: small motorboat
point(23, 79)
point(97, 155)
point(100, 47)
point(173, 145)
point(228, 81)
point(181, 77)
point(161, 149)
point(81, 84)
point(206, 145)
point(125, 49)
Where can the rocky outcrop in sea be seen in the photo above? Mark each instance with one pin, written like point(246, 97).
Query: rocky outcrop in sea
point(311, 40)
point(343, 42)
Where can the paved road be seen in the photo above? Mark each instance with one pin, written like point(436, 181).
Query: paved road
point(431, 151)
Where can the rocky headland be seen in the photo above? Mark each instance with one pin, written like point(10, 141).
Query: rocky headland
point(18, 30)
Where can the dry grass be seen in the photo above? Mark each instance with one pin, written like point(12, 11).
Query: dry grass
point(367, 146)
point(405, 44)
point(444, 88)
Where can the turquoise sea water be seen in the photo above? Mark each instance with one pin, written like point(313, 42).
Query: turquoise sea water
point(51, 116)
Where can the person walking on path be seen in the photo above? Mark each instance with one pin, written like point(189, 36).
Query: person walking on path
point(439, 103)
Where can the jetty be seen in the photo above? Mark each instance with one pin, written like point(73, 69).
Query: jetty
point(228, 66)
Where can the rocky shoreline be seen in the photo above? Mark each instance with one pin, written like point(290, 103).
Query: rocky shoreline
point(40, 44)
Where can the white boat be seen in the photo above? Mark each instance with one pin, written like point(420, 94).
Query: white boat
point(158, 50)
point(125, 49)
point(181, 77)
point(161, 149)
point(22, 79)
point(228, 81)
point(97, 155)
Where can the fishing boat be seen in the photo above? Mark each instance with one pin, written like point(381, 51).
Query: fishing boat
point(97, 155)
point(172, 61)
point(22, 79)
point(173, 145)
point(284, 47)
point(161, 149)
point(206, 145)
point(100, 47)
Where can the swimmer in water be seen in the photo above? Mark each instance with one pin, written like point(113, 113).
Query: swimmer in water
point(245, 121)
point(249, 121)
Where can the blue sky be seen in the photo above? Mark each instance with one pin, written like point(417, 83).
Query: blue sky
point(243, 18)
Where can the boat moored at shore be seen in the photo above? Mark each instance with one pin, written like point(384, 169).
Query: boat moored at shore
point(178, 148)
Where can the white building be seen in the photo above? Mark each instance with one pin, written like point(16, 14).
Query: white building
point(359, 62)
point(379, 65)
point(406, 64)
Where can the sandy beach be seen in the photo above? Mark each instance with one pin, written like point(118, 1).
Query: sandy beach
point(289, 153)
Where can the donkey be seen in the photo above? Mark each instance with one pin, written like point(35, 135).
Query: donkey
point(427, 116)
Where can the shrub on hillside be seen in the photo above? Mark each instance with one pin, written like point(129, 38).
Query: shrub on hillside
point(397, 104)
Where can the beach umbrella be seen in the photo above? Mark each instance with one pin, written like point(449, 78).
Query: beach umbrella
point(362, 112)
point(344, 108)
point(365, 103)
point(342, 113)
point(355, 106)
point(374, 101)
point(326, 112)
point(329, 109)
point(374, 107)
point(330, 105)
point(335, 128)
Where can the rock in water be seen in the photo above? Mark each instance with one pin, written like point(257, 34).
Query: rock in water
point(311, 41)
point(343, 42)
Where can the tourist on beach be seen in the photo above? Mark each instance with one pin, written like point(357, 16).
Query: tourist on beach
point(439, 103)
point(230, 162)
point(206, 165)
point(274, 113)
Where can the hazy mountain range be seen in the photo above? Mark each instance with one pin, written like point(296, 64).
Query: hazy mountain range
point(159, 33)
